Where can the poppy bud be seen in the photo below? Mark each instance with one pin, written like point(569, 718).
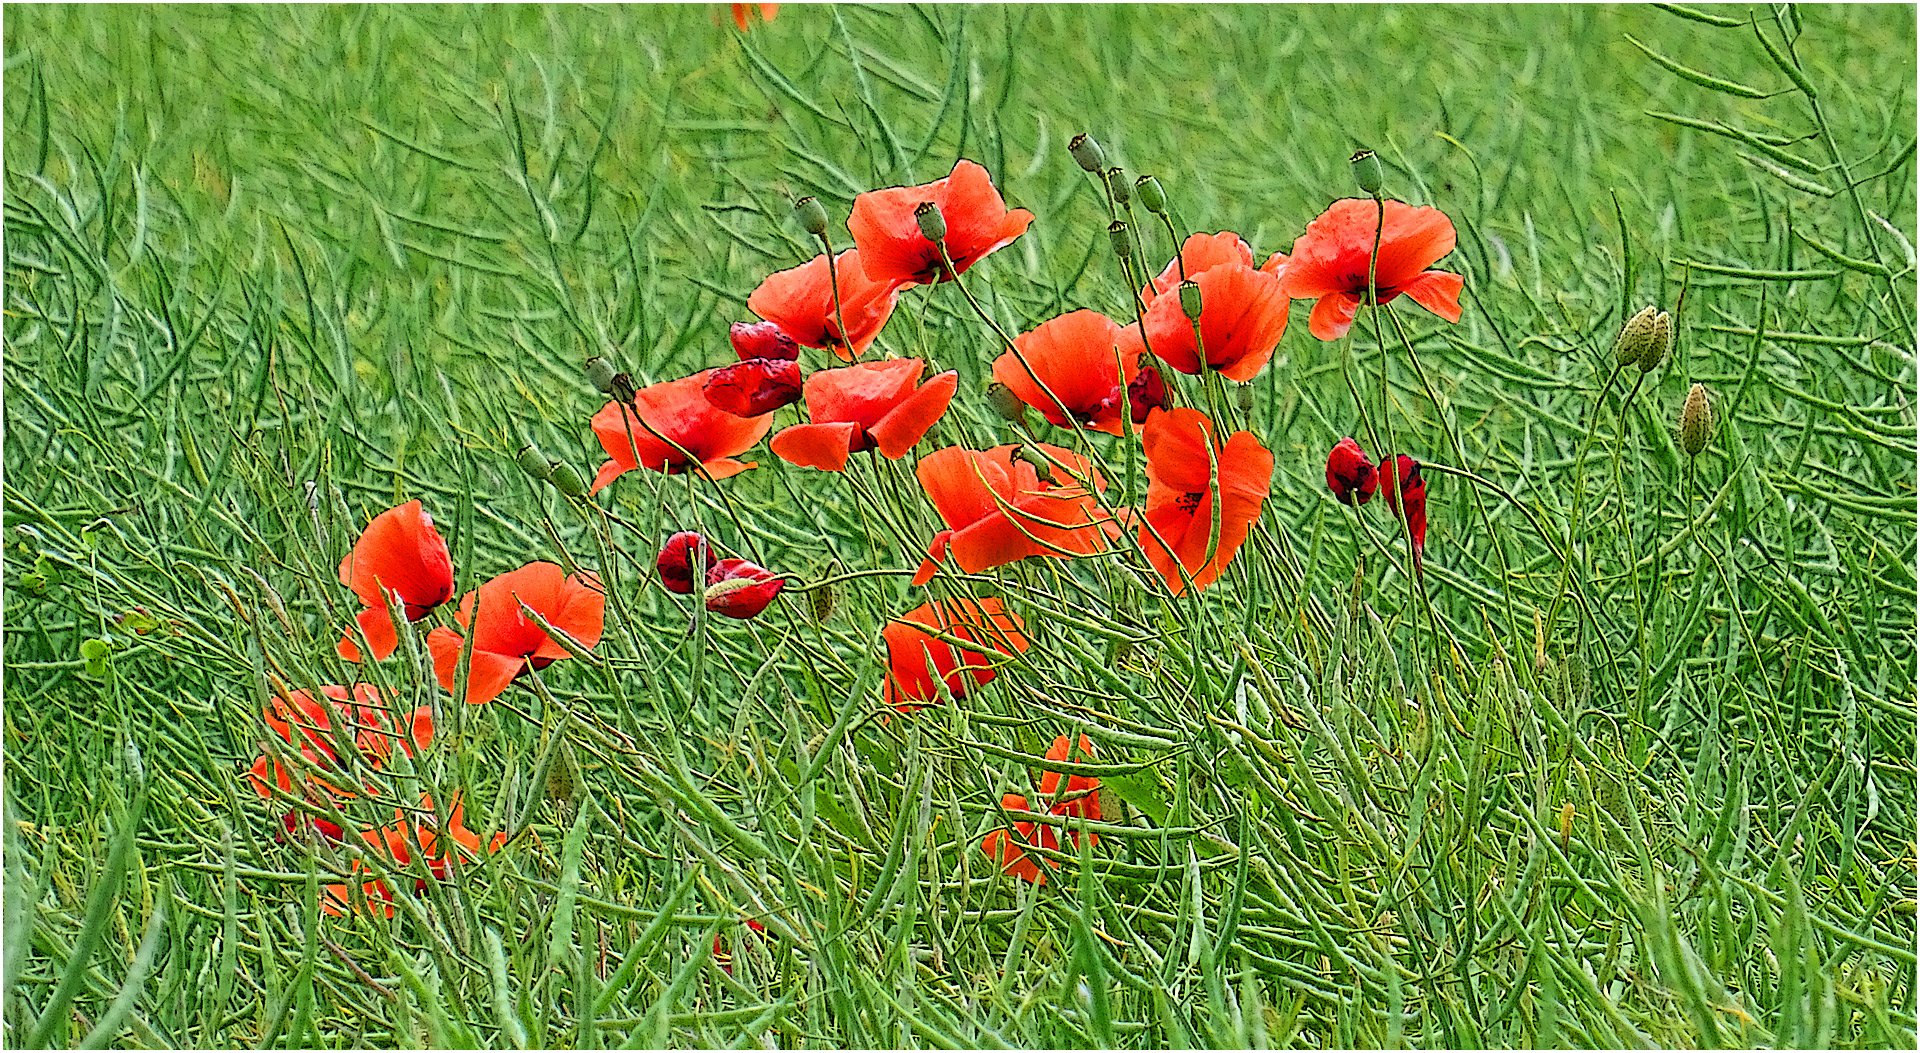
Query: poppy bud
point(600, 374)
point(820, 602)
point(675, 562)
point(1696, 421)
point(762, 340)
point(738, 589)
point(1006, 403)
point(1041, 466)
point(1658, 343)
point(1350, 473)
point(568, 480)
point(1152, 195)
point(535, 464)
point(1634, 335)
point(1243, 396)
point(1117, 185)
point(933, 226)
point(1087, 153)
point(811, 215)
point(1122, 241)
point(1366, 171)
point(1146, 392)
point(1190, 299)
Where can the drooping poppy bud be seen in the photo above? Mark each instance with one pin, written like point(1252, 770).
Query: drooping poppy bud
point(933, 226)
point(739, 589)
point(1122, 240)
point(1153, 196)
point(535, 464)
point(1350, 473)
point(1406, 493)
point(1117, 185)
point(1696, 421)
point(1366, 171)
point(568, 480)
point(820, 602)
point(762, 340)
point(1087, 153)
point(811, 215)
point(1006, 403)
point(1659, 342)
point(675, 562)
point(1146, 392)
point(600, 374)
point(1635, 336)
point(1190, 299)
point(755, 387)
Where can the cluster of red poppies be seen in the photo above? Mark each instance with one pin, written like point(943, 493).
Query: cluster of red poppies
point(1354, 479)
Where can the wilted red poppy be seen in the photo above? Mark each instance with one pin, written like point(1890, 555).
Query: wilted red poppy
point(743, 13)
point(1147, 391)
point(1242, 316)
point(399, 552)
point(1198, 254)
point(1350, 473)
point(919, 659)
point(670, 427)
point(1081, 798)
point(739, 589)
point(505, 641)
point(762, 340)
point(1402, 485)
point(998, 509)
point(675, 562)
point(1181, 455)
point(755, 386)
point(800, 302)
point(319, 726)
point(1076, 362)
point(868, 406)
point(892, 246)
point(407, 838)
point(1329, 263)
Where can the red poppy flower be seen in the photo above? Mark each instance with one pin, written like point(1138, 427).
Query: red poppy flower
point(998, 509)
point(401, 842)
point(1406, 493)
point(1077, 362)
point(753, 340)
point(1198, 254)
point(1081, 798)
point(399, 552)
point(317, 727)
point(871, 405)
point(800, 302)
point(754, 387)
point(919, 659)
point(675, 562)
point(887, 233)
point(1011, 851)
point(738, 589)
point(1242, 316)
point(1147, 391)
point(1181, 452)
point(1082, 794)
point(743, 13)
point(1329, 262)
point(1350, 473)
point(505, 641)
point(670, 427)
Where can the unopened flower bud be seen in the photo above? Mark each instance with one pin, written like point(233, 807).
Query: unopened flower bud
point(1006, 403)
point(932, 224)
point(1117, 185)
point(1041, 466)
point(1087, 153)
point(1122, 239)
point(820, 602)
point(535, 464)
point(1366, 171)
point(811, 215)
point(600, 374)
point(1190, 299)
point(1634, 335)
point(1696, 421)
point(1152, 195)
point(568, 480)
point(1659, 342)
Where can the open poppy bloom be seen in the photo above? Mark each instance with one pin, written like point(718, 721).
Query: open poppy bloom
point(1081, 797)
point(671, 427)
point(919, 660)
point(888, 235)
point(868, 406)
point(403, 841)
point(998, 509)
point(800, 301)
point(1406, 494)
point(739, 589)
point(1178, 535)
point(753, 340)
point(1198, 254)
point(1072, 369)
point(1329, 263)
point(755, 386)
point(319, 726)
point(400, 553)
point(505, 642)
point(743, 13)
point(1243, 314)
point(1350, 473)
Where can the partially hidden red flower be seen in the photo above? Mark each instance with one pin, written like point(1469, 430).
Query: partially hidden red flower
point(319, 726)
point(1198, 254)
point(722, 956)
point(1081, 797)
point(754, 387)
point(1072, 369)
point(1182, 455)
point(1406, 493)
point(743, 13)
point(400, 553)
point(1146, 392)
point(762, 340)
point(401, 843)
point(671, 427)
point(892, 247)
point(504, 641)
point(1243, 314)
point(800, 301)
point(1329, 262)
point(867, 406)
point(1350, 473)
point(675, 562)
point(739, 589)
point(999, 509)
point(920, 658)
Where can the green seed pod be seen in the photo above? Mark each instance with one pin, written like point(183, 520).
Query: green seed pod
point(535, 464)
point(1153, 196)
point(600, 374)
point(1122, 240)
point(1243, 397)
point(1041, 466)
point(568, 480)
point(1087, 153)
point(1117, 186)
point(932, 224)
point(1696, 421)
point(1366, 171)
point(1634, 336)
point(811, 215)
point(1190, 299)
point(1659, 342)
point(1006, 403)
point(563, 776)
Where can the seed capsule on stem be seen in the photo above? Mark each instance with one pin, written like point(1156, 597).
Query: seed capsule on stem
point(1087, 153)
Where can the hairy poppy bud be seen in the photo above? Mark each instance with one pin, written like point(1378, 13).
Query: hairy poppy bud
point(1243, 396)
point(568, 480)
point(1190, 299)
point(932, 224)
point(1659, 342)
point(738, 589)
point(600, 374)
point(820, 602)
point(1366, 171)
point(1117, 185)
point(1122, 240)
point(1152, 195)
point(1006, 403)
point(1696, 421)
point(563, 778)
point(762, 340)
point(1350, 473)
point(1634, 336)
point(535, 464)
point(811, 215)
point(1087, 153)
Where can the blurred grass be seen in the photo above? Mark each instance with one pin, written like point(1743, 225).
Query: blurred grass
point(270, 270)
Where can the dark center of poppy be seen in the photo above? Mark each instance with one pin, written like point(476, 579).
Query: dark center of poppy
point(1189, 501)
point(860, 442)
